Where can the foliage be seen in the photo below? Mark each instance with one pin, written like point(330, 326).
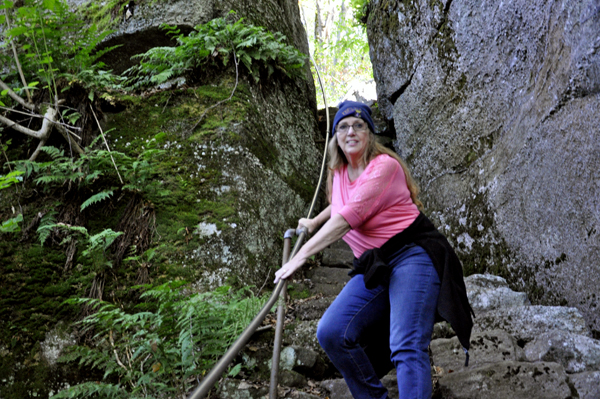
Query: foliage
point(10, 179)
point(160, 350)
point(96, 244)
point(218, 42)
point(95, 164)
point(84, 173)
point(44, 228)
point(11, 225)
point(51, 42)
point(359, 10)
point(96, 198)
point(341, 50)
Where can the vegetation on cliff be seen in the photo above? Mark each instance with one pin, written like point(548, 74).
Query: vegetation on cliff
point(109, 210)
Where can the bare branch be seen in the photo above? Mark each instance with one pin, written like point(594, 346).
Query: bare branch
point(67, 135)
point(106, 143)
point(112, 343)
point(42, 116)
point(16, 97)
point(44, 132)
point(37, 150)
point(17, 59)
point(41, 134)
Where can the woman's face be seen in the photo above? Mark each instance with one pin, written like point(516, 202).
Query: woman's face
point(353, 140)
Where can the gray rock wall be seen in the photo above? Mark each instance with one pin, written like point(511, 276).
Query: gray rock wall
point(267, 161)
point(496, 105)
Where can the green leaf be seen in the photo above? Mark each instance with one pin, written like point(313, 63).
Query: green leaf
point(49, 4)
point(10, 179)
point(96, 198)
point(17, 31)
point(235, 370)
point(12, 225)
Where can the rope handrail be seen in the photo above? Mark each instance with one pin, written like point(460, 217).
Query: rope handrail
point(219, 368)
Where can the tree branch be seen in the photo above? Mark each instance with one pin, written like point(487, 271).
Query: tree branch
point(16, 97)
point(37, 150)
point(41, 134)
point(41, 116)
point(17, 58)
point(44, 132)
point(67, 135)
point(106, 143)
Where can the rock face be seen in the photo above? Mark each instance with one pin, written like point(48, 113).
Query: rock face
point(260, 162)
point(496, 107)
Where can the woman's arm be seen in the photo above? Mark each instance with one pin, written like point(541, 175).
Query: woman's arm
point(314, 223)
point(335, 228)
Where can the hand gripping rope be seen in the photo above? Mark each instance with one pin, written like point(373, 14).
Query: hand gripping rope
point(280, 293)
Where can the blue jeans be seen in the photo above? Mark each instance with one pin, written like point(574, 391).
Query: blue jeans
point(402, 314)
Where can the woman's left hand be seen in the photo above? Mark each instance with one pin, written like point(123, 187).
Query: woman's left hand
point(288, 269)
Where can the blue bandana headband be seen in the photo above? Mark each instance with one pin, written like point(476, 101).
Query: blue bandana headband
point(355, 109)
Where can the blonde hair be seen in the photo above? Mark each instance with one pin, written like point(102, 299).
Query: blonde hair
point(337, 159)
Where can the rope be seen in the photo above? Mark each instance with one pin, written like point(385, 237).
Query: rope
point(212, 377)
point(314, 200)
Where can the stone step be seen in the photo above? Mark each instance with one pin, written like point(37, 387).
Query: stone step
point(486, 347)
point(576, 353)
point(508, 379)
point(313, 309)
point(320, 281)
point(528, 322)
point(338, 254)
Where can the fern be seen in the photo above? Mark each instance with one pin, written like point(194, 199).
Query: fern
point(100, 241)
point(47, 222)
point(217, 41)
point(175, 336)
point(10, 179)
point(54, 152)
point(96, 198)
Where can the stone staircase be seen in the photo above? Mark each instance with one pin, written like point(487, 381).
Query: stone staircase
point(518, 351)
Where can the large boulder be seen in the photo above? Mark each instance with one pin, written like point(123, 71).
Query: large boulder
point(496, 107)
point(249, 169)
point(577, 353)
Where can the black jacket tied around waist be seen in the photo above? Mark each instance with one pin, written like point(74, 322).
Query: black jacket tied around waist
point(453, 304)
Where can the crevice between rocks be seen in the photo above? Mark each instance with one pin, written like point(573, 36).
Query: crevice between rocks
point(445, 14)
point(396, 95)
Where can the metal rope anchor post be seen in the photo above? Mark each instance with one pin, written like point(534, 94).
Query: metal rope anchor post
point(281, 310)
point(218, 369)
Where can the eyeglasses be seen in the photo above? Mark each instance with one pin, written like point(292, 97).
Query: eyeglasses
point(358, 127)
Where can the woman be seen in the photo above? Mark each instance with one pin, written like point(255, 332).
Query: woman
point(404, 270)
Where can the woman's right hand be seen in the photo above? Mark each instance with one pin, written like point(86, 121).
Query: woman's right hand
point(310, 224)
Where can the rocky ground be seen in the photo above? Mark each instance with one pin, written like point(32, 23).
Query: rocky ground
point(517, 350)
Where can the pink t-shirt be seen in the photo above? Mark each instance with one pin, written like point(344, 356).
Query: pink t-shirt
point(377, 205)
